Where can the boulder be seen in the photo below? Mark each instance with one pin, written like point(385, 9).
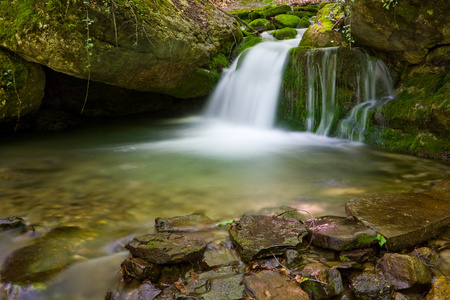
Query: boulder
point(166, 247)
point(219, 255)
point(285, 33)
point(340, 233)
point(272, 285)
point(282, 21)
point(403, 219)
point(22, 86)
point(322, 282)
point(261, 25)
point(368, 286)
point(407, 30)
point(11, 223)
point(403, 271)
point(263, 236)
point(165, 47)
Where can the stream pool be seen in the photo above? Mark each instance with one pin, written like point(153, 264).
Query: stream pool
point(116, 177)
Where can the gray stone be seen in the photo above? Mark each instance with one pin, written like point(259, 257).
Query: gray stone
point(323, 282)
point(194, 222)
point(359, 255)
point(221, 284)
point(440, 190)
point(165, 247)
point(403, 219)
point(368, 286)
point(11, 223)
point(403, 271)
point(262, 236)
point(219, 255)
point(145, 292)
point(440, 289)
point(339, 233)
point(141, 269)
point(272, 285)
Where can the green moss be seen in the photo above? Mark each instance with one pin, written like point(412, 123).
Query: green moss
point(365, 240)
point(261, 25)
point(304, 23)
point(310, 8)
point(285, 33)
point(282, 21)
point(278, 10)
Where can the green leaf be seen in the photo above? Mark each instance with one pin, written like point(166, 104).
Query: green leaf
point(381, 239)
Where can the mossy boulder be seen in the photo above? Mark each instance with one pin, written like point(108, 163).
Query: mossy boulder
point(261, 25)
point(282, 21)
point(22, 86)
point(165, 47)
point(407, 31)
point(304, 22)
point(246, 43)
point(314, 8)
point(321, 33)
point(285, 33)
point(277, 10)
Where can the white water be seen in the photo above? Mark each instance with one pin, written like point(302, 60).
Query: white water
point(248, 91)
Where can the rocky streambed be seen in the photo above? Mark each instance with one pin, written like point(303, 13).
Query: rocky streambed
point(391, 246)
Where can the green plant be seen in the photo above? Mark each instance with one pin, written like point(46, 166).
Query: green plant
point(10, 79)
point(347, 9)
point(387, 3)
point(381, 240)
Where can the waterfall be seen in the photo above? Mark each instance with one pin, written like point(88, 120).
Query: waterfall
point(248, 91)
point(373, 86)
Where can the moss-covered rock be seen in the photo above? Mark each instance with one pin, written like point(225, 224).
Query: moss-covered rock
point(139, 45)
point(248, 42)
point(285, 33)
point(277, 10)
point(321, 33)
point(304, 22)
point(21, 87)
point(283, 21)
point(314, 8)
point(261, 25)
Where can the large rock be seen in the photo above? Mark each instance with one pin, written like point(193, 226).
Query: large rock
point(407, 30)
point(21, 87)
point(339, 233)
point(272, 285)
point(403, 219)
point(263, 236)
point(169, 47)
point(368, 286)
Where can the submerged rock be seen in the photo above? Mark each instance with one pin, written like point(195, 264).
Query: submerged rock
point(285, 33)
point(272, 285)
point(403, 219)
point(11, 223)
point(141, 269)
point(165, 247)
point(339, 233)
point(189, 223)
point(403, 271)
point(263, 236)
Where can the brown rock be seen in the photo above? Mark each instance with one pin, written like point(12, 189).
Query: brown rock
point(440, 289)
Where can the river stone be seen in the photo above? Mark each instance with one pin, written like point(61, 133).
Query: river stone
point(272, 285)
point(368, 286)
point(141, 269)
point(403, 271)
point(263, 236)
point(146, 291)
point(218, 255)
point(166, 247)
point(403, 219)
point(440, 289)
point(340, 233)
point(37, 262)
point(11, 223)
point(221, 284)
point(440, 190)
point(166, 47)
point(323, 282)
point(359, 255)
point(194, 222)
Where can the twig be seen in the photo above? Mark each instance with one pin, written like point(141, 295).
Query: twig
point(337, 22)
point(19, 108)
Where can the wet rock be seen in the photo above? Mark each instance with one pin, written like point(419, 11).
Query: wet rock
point(171, 274)
point(359, 255)
point(11, 223)
point(440, 289)
point(272, 285)
point(219, 255)
point(323, 282)
point(400, 296)
point(165, 247)
point(293, 259)
point(37, 262)
point(440, 190)
point(146, 291)
point(339, 233)
point(403, 271)
point(403, 219)
point(189, 223)
point(369, 286)
point(262, 236)
point(223, 283)
point(141, 269)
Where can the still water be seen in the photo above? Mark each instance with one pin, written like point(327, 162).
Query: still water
point(115, 178)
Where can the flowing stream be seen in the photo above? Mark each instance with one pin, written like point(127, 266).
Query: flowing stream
point(115, 178)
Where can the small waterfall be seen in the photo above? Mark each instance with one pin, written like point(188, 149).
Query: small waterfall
point(248, 91)
point(326, 92)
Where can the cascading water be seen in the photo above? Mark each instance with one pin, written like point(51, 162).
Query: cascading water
point(248, 91)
